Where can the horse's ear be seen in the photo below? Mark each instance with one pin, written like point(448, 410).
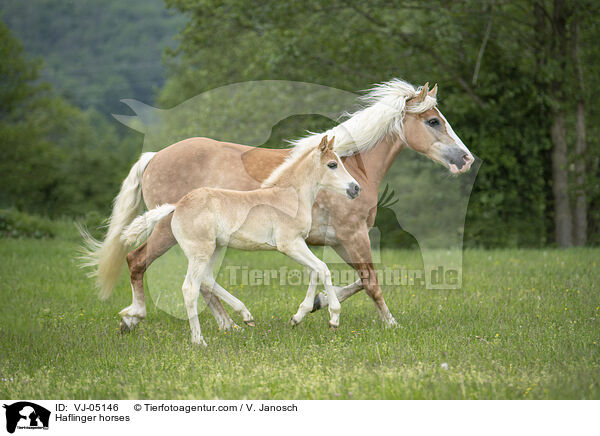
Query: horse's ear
point(424, 90)
point(433, 92)
point(323, 144)
point(330, 143)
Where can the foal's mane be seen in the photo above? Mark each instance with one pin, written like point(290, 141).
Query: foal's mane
point(382, 115)
point(280, 171)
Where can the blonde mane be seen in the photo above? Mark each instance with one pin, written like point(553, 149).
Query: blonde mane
point(382, 116)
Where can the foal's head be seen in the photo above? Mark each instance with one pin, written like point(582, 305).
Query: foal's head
point(332, 173)
point(429, 133)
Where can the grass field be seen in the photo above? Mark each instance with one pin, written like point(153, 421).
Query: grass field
point(526, 324)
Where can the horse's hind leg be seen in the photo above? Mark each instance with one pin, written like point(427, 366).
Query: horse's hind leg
point(138, 261)
point(159, 242)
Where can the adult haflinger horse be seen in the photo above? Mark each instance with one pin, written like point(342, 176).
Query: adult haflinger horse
point(276, 217)
point(397, 116)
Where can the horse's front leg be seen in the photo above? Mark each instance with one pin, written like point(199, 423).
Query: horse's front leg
point(343, 293)
point(358, 254)
point(299, 251)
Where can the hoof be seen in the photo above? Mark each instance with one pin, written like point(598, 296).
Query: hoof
point(250, 323)
point(124, 328)
point(392, 324)
point(293, 322)
point(333, 327)
point(202, 343)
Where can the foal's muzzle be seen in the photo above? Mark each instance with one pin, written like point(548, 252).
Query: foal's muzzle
point(353, 190)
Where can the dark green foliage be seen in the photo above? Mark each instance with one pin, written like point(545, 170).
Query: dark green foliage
point(96, 52)
point(60, 160)
point(56, 158)
point(503, 114)
point(14, 224)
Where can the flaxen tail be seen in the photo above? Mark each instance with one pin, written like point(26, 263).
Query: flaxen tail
point(106, 257)
point(141, 227)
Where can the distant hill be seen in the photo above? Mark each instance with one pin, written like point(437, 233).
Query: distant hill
point(96, 52)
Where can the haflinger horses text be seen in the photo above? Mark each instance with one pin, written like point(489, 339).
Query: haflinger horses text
point(396, 116)
point(277, 216)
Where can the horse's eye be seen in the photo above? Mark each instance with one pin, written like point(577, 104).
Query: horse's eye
point(332, 165)
point(434, 122)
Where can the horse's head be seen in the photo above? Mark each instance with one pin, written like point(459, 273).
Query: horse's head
point(428, 132)
point(333, 174)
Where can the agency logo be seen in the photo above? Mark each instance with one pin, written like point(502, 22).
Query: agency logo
point(26, 415)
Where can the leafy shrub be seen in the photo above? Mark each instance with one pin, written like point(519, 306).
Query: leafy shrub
point(15, 224)
point(94, 223)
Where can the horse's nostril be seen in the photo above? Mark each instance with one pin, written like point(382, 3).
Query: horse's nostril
point(353, 190)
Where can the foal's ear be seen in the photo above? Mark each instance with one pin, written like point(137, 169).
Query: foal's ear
point(330, 143)
point(323, 144)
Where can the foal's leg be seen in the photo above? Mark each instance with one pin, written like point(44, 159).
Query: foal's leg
point(159, 242)
point(191, 289)
point(220, 292)
point(236, 304)
point(307, 305)
point(212, 301)
point(300, 252)
point(342, 293)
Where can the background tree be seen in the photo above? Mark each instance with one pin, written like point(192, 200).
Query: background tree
point(505, 70)
point(57, 159)
point(515, 81)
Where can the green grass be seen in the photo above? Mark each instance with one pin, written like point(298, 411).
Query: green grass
point(526, 324)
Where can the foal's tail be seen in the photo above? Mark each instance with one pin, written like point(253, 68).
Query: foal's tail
point(141, 227)
point(106, 257)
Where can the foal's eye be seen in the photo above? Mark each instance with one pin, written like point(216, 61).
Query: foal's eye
point(433, 122)
point(332, 165)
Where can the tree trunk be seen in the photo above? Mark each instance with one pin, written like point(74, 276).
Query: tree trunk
point(580, 218)
point(560, 182)
point(580, 198)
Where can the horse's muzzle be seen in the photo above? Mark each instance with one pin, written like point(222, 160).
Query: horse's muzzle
point(458, 161)
point(353, 190)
